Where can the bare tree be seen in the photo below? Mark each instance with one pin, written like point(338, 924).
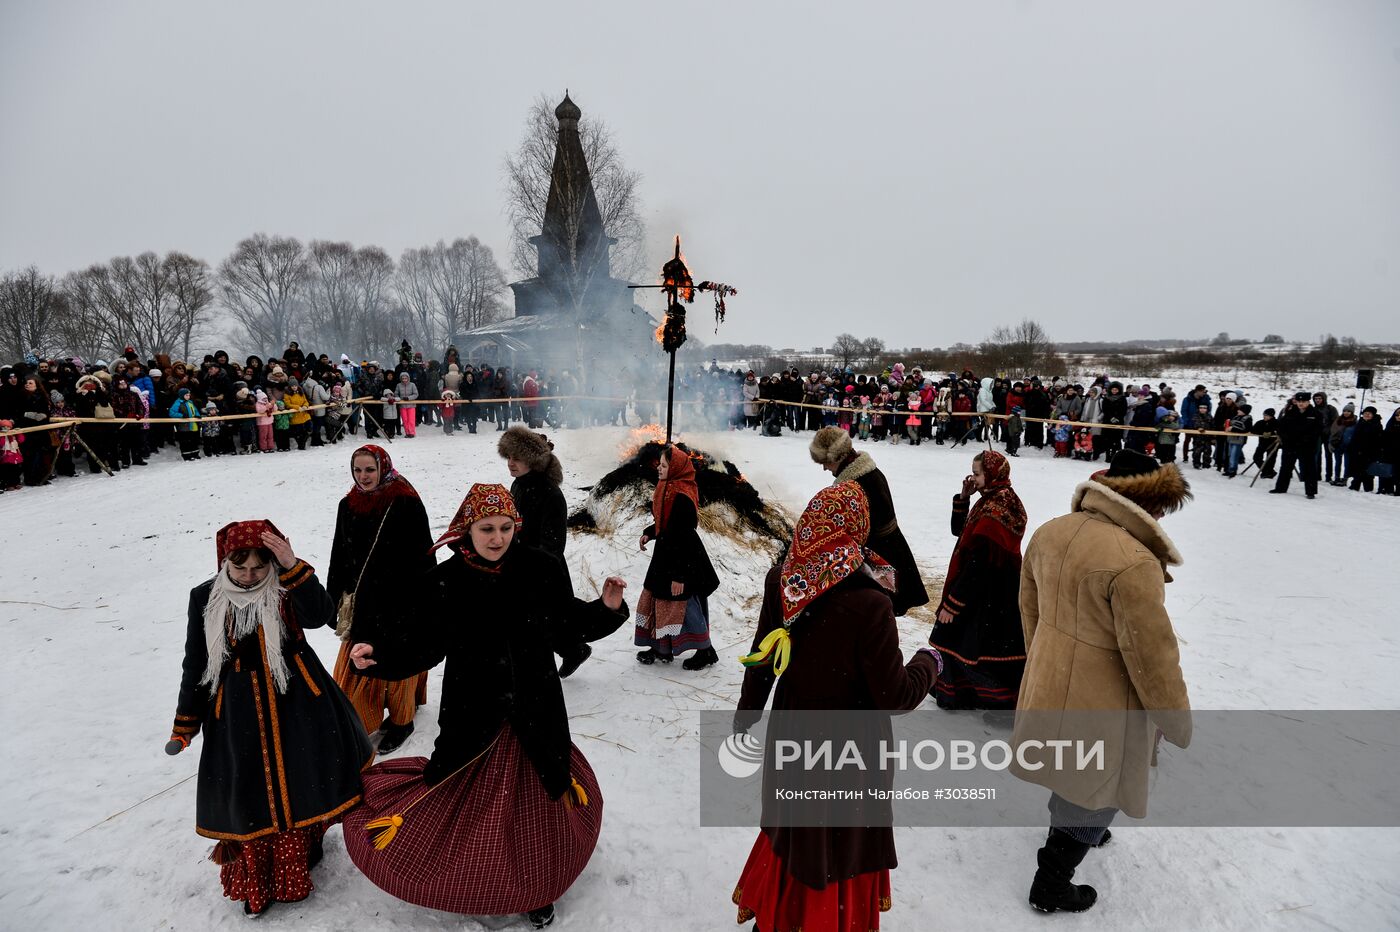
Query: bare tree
point(263, 282)
point(140, 303)
point(84, 328)
point(379, 316)
point(847, 348)
point(332, 304)
point(449, 289)
point(871, 349)
point(527, 174)
point(30, 306)
point(1020, 350)
point(192, 294)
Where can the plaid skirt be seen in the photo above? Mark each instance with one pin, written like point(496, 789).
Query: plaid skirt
point(486, 841)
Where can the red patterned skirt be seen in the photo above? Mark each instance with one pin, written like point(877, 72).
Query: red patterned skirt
point(270, 869)
point(486, 841)
point(781, 903)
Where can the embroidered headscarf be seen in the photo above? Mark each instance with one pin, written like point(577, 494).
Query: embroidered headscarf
point(391, 484)
point(828, 545)
point(680, 480)
point(233, 612)
point(999, 502)
point(484, 500)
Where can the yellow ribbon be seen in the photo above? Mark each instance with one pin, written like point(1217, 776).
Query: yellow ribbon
point(777, 646)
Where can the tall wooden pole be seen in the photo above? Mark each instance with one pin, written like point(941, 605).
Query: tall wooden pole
point(670, 395)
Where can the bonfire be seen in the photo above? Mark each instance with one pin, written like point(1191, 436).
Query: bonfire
point(729, 504)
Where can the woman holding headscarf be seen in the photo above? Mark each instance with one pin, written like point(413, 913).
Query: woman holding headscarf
point(673, 613)
point(827, 637)
point(978, 626)
point(504, 815)
point(282, 748)
point(381, 548)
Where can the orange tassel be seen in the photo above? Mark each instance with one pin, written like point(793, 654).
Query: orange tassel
point(382, 831)
point(575, 796)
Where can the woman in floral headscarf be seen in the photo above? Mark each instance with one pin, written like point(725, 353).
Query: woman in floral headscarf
point(978, 627)
point(380, 548)
point(827, 636)
point(673, 613)
point(505, 814)
point(282, 747)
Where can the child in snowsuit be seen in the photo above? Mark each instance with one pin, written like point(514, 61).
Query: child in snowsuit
point(282, 426)
point(912, 422)
point(449, 411)
point(863, 423)
point(1062, 436)
point(1168, 436)
point(1084, 444)
point(265, 407)
point(389, 414)
point(1014, 426)
point(211, 430)
point(336, 413)
point(1202, 449)
point(1240, 423)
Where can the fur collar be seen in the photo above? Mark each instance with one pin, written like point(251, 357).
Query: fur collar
point(1097, 498)
point(862, 465)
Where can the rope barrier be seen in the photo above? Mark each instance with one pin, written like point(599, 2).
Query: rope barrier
point(66, 422)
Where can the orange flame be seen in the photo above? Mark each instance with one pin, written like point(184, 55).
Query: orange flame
point(640, 437)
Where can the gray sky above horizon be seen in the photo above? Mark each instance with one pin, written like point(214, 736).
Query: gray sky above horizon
point(920, 172)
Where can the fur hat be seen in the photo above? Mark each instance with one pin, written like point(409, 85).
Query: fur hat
point(1141, 479)
point(532, 449)
point(830, 446)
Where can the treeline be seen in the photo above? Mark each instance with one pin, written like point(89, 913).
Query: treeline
point(333, 296)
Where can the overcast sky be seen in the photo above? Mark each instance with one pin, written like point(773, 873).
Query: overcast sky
point(919, 171)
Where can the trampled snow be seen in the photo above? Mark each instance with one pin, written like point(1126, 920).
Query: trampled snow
point(1282, 603)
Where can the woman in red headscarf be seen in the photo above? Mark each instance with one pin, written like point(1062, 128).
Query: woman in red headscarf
point(978, 627)
point(282, 747)
point(673, 613)
point(504, 815)
point(381, 547)
point(827, 637)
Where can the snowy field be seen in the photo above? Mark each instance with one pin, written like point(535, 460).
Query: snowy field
point(1282, 603)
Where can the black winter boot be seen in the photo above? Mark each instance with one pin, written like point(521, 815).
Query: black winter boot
point(701, 659)
point(1051, 891)
point(541, 917)
point(571, 661)
point(392, 737)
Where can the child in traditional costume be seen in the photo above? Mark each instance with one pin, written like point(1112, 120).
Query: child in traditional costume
point(673, 613)
point(282, 748)
point(505, 814)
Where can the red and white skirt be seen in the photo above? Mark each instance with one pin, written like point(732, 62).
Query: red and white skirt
point(486, 841)
point(781, 903)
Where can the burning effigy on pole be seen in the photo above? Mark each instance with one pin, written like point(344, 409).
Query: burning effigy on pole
point(728, 501)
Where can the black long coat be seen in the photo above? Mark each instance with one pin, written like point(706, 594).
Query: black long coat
point(886, 539)
point(399, 556)
point(270, 761)
point(543, 512)
point(845, 656)
point(678, 555)
point(497, 630)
